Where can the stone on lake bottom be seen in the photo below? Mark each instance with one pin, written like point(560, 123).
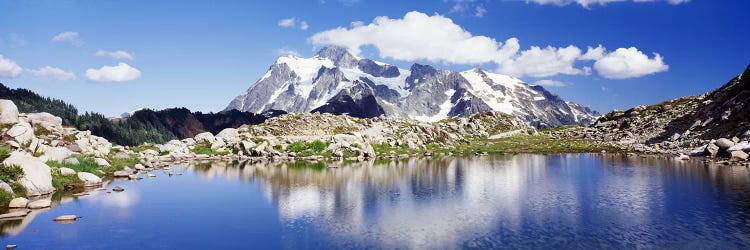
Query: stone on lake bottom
point(69, 217)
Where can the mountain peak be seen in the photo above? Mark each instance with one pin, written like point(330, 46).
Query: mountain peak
point(339, 55)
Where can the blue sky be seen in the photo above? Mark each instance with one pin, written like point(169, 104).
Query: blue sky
point(200, 55)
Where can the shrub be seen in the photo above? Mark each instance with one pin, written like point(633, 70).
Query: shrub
point(70, 182)
point(4, 153)
point(5, 198)
point(10, 173)
point(204, 148)
point(39, 131)
point(316, 147)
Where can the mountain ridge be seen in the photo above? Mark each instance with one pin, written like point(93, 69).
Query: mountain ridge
point(335, 81)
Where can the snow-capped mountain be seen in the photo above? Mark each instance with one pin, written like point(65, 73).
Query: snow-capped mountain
point(334, 81)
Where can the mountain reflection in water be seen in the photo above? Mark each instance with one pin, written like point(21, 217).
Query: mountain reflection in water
point(537, 201)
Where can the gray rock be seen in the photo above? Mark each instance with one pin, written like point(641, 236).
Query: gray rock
point(122, 155)
point(229, 135)
point(217, 144)
point(711, 150)
point(205, 137)
point(45, 120)
point(58, 154)
point(8, 112)
point(19, 202)
point(12, 215)
point(102, 162)
point(75, 148)
point(67, 171)
point(739, 155)
point(89, 179)
point(118, 189)
point(122, 173)
point(71, 161)
point(69, 217)
point(724, 143)
point(139, 167)
point(37, 178)
point(38, 204)
point(21, 132)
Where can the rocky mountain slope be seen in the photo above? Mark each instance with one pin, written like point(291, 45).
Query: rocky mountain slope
point(686, 123)
point(334, 81)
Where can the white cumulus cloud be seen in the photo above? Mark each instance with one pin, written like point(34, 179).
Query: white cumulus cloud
point(53, 73)
point(629, 63)
point(436, 38)
point(293, 22)
point(418, 36)
point(544, 62)
point(117, 54)
point(120, 73)
point(9, 68)
point(587, 3)
point(68, 36)
point(287, 22)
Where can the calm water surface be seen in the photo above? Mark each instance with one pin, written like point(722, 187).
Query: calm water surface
point(521, 201)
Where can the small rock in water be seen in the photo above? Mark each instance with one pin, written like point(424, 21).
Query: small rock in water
point(122, 173)
point(133, 177)
point(69, 217)
point(80, 194)
point(151, 176)
point(45, 203)
point(10, 246)
point(682, 157)
point(118, 189)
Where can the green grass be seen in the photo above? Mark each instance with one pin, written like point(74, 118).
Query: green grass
point(5, 198)
point(204, 148)
point(385, 149)
point(19, 190)
point(39, 131)
point(302, 149)
point(343, 130)
point(120, 164)
point(4, 153)
point(70, 138)
point(70, 182)
point(10, 173)
point(87, 164)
